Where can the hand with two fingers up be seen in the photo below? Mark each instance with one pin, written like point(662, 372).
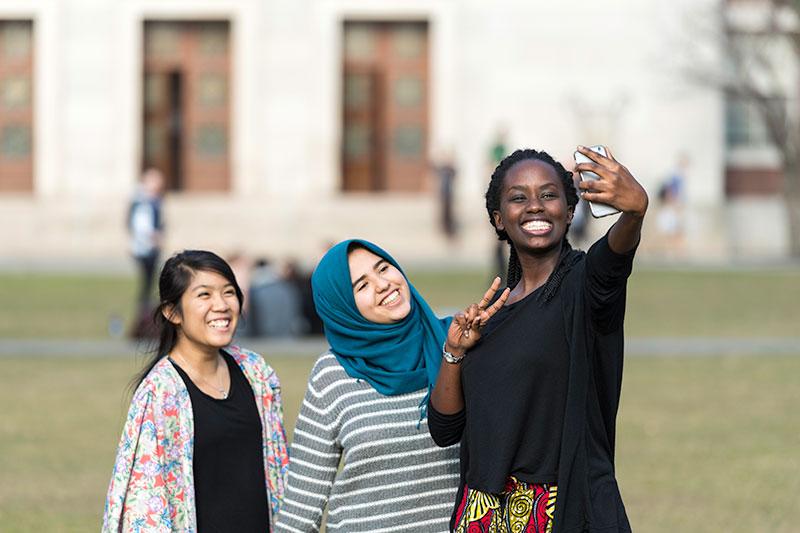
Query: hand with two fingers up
point(465, 329)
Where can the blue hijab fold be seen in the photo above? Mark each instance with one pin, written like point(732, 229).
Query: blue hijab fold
point(394, 358)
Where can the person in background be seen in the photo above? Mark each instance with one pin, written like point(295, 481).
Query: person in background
point(275, 303)
point(498, 149)
point(203, 447)
point(445, 170)
point(146, 229)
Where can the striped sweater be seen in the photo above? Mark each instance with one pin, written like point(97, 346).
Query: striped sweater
point(393, 476)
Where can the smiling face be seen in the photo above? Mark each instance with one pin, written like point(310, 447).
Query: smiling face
point(533, 207)
point(208, 314)
point(380, 290)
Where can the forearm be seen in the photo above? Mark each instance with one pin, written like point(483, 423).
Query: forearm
point(447, 396)
point(624, 235)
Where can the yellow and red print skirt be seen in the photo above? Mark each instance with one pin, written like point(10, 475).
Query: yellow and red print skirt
point(520, 508)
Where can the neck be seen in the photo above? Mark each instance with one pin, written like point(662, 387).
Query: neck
point(203, 359)
point(536, 269)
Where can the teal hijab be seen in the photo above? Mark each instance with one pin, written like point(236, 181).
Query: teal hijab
point(394, 358)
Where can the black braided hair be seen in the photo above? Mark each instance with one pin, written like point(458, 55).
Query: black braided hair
point(493, 204)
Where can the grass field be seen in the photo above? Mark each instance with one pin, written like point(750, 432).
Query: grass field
point(725, 303)
point(704, 444)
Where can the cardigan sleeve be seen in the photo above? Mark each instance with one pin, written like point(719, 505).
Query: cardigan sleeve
point(277, 453)
point(315, 456)
point(137, 497)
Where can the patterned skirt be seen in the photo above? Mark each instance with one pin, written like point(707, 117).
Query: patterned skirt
point(520, 508)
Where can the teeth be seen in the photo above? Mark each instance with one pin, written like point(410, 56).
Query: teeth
point(219, 323)
point(537, 225)
point(391, 298)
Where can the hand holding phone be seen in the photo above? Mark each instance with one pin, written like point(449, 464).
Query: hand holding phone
point(598, 210)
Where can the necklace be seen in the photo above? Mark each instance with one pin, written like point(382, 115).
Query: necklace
point(192, 372)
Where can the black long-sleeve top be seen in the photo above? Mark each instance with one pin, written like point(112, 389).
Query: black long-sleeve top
point(562, 358)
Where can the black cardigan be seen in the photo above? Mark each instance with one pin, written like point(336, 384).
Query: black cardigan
point(588, 496)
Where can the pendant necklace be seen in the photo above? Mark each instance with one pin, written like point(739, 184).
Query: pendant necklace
point(220, 390)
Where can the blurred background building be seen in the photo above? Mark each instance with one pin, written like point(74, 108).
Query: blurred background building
point(284, 125)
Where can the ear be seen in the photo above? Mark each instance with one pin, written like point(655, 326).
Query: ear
point(498, 220)
point(171, 314)
point(570, 213)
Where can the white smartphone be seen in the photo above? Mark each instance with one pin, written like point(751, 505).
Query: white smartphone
point(598, 210)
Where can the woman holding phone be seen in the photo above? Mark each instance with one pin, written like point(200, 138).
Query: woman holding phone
point(532, 392)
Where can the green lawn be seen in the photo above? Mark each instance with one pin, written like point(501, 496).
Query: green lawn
point(704, 444)
point(725, 303)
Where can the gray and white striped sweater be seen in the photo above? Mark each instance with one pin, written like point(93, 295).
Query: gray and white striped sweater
point(393, 476)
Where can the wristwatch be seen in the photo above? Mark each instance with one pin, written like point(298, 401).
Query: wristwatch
point(450, 358)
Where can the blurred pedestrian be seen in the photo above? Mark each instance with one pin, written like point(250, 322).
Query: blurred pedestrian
point(301, 280)
point(365, 405)
point(445, 170)
point(146, 230)
point(498, 148)
point(275, 303)
point(203, 447)
point(532, 393)
point(670, 214)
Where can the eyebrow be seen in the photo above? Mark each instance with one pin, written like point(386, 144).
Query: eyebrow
point(525, 188)
point(362, 276)
point(210, 286)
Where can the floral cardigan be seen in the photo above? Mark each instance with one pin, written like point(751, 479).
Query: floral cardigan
point(152, 487)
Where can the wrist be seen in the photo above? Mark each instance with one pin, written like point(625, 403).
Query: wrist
point(451, 355)
point(453, 350)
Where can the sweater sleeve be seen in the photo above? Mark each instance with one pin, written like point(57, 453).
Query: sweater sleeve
point(607, 274)
point(314, 460)
point(445, 430)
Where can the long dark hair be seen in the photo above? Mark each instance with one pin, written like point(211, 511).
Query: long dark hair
point(493, 204)
point(175, 278)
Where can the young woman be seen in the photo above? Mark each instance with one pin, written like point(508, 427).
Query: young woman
point(203, 448)
point(365, 406)
point(532, 392)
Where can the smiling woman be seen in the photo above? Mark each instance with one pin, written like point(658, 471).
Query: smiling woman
point(379, 288)
point(204, 445)
point(365, 406)
point(532, 392)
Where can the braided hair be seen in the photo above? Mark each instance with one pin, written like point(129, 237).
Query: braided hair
point(493, 204)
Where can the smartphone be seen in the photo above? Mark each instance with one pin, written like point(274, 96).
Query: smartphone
point(598, 210)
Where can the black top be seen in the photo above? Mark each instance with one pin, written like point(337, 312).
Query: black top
point(229, 485)
point(591, 305)
point(520, 369)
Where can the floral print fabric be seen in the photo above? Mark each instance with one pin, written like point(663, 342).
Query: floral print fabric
point(152, 486)
point(521, 507)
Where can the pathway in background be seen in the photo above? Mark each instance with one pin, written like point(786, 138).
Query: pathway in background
point(649, 346)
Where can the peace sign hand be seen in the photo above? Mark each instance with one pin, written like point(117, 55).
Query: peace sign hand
point(465, 328)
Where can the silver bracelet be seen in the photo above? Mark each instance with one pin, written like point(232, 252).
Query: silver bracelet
point(450, 358)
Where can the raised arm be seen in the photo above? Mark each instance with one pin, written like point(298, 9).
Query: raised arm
point(609, 261)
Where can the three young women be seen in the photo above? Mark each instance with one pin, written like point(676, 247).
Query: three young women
point(532, 392)
point(203, 447)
